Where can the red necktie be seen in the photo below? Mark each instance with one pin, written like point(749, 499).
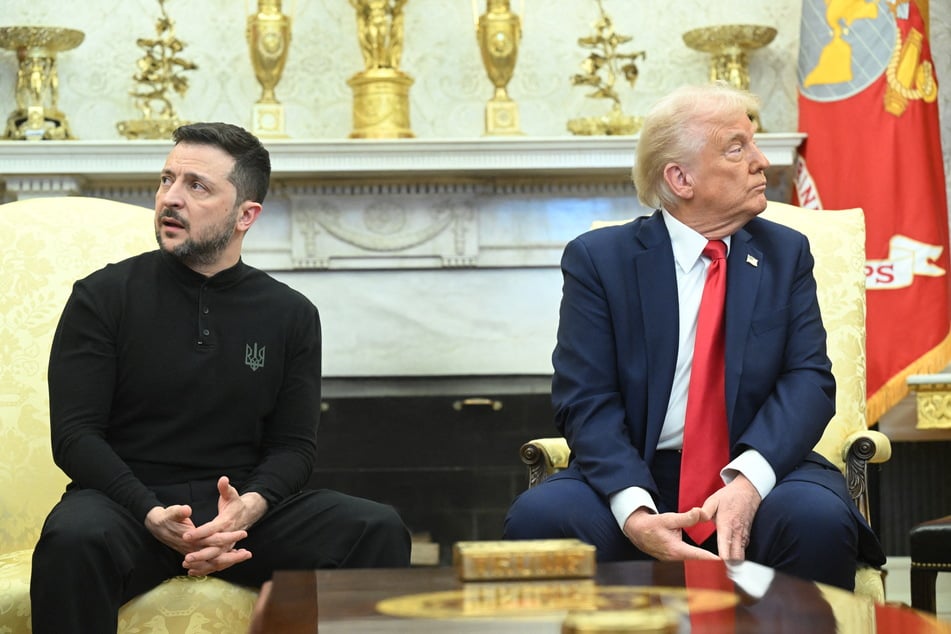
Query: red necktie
point(706, 448)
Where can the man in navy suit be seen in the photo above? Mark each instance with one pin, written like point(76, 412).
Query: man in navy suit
point(623, 362)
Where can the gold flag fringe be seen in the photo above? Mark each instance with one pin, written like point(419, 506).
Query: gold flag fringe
point(896, 388)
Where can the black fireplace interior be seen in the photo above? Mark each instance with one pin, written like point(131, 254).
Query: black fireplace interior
point(442, 450)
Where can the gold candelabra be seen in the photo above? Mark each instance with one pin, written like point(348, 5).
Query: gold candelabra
point(37, 115)
point(160, 70)
point(728, 45)
point(498, 32)
point(269, 38)
point(381, 90)
point(601, 70)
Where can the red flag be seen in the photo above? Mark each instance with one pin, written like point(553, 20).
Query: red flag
point(867, 102)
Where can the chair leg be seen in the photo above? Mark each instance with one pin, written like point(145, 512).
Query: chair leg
point(923, 589)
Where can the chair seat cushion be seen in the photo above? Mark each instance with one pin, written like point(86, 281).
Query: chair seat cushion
point(931, 543)
point(179, 605)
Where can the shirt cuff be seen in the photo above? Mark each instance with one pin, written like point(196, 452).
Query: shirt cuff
point(628, 500)
point(753, 465)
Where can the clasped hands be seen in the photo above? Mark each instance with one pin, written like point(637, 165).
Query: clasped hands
point(731, 508)
point(210, 547)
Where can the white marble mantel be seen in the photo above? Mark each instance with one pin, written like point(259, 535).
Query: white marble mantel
point(96, 161)
point(425, 257)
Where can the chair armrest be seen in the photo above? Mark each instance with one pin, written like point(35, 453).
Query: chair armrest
point(859, 449)
point(869, 445)
point(544, 456)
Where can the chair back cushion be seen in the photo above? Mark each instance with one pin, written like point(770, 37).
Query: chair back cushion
point(48, 244)
point(837, 240)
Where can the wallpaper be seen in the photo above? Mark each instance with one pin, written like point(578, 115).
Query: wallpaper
point(450, 89)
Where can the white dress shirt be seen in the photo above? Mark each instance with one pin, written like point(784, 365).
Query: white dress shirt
point(691, 271)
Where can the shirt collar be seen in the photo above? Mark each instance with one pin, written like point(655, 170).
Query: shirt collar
point(687, 244)
point(221, 279)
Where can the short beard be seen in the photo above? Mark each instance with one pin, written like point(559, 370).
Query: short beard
point(201, 250)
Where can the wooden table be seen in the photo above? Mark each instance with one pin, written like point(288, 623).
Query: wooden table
point(719, 598)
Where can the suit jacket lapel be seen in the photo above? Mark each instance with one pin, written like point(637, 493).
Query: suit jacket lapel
point(744, 272)
point(657, 284)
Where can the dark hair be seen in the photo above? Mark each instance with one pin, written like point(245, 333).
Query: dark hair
point(252, 163)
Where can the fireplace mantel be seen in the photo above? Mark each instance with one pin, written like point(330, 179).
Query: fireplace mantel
point(49, 168)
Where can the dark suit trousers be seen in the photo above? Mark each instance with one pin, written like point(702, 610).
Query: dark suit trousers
point(801, 528)
point(93, 555)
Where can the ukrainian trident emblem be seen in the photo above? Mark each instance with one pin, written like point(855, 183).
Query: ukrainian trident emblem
point(254, 357)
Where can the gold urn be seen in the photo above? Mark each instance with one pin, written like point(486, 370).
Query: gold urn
point(37, 115)
point(269, 37)
point(499, 31)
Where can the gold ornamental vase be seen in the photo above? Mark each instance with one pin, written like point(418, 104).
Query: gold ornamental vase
point(37, 115)
point(381, 90)
point(728, 45)
point(499, 31)
point(269, 37)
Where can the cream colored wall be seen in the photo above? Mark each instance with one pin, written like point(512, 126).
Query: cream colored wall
point(451, 88)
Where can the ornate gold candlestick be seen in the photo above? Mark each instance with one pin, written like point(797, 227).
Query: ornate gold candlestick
point(728, 44)
point(160, 70)
point(381, 91)
point(601, 69)
point(498, 31)
point(269, 38)
point(37, 115)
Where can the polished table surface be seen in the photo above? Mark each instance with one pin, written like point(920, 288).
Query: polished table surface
point(696, 597)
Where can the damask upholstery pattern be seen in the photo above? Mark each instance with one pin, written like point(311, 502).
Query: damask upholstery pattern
point(48, 244)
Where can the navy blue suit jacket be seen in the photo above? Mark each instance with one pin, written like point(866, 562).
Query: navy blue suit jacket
point(617, 347)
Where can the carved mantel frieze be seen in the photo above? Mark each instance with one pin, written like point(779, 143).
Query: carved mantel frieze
point(387, 226)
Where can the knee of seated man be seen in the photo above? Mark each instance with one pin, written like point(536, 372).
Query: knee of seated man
point(530, 517)
point(810, 512)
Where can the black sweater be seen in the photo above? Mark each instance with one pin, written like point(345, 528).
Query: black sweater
point(159, 375)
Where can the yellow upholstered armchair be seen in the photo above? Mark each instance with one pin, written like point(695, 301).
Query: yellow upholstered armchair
point(48, 243)
point(837, 239)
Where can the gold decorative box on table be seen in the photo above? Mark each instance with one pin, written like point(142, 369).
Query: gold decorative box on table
point(523, 559)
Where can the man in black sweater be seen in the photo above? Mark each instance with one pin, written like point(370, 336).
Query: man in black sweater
point(184, 401)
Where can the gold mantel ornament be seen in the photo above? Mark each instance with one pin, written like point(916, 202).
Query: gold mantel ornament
point(269, 38)
point(37, 115)
point(498, 31)
point(381, 91)
point(160, 70)
point(728, 44)
point(601, 69)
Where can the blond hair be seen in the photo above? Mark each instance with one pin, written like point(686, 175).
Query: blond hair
point(675, 130)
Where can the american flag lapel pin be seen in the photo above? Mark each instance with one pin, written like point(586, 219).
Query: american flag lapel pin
point(751, 260)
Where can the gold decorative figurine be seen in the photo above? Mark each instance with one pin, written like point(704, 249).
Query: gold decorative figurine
point(728, 45)
point(498, 31)
point(269, 37)
point(37, 115)
point(601, 69)
point(381, 91)
point(160, 70)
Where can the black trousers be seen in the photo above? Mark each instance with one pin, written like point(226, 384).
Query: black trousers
point(93, 555)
